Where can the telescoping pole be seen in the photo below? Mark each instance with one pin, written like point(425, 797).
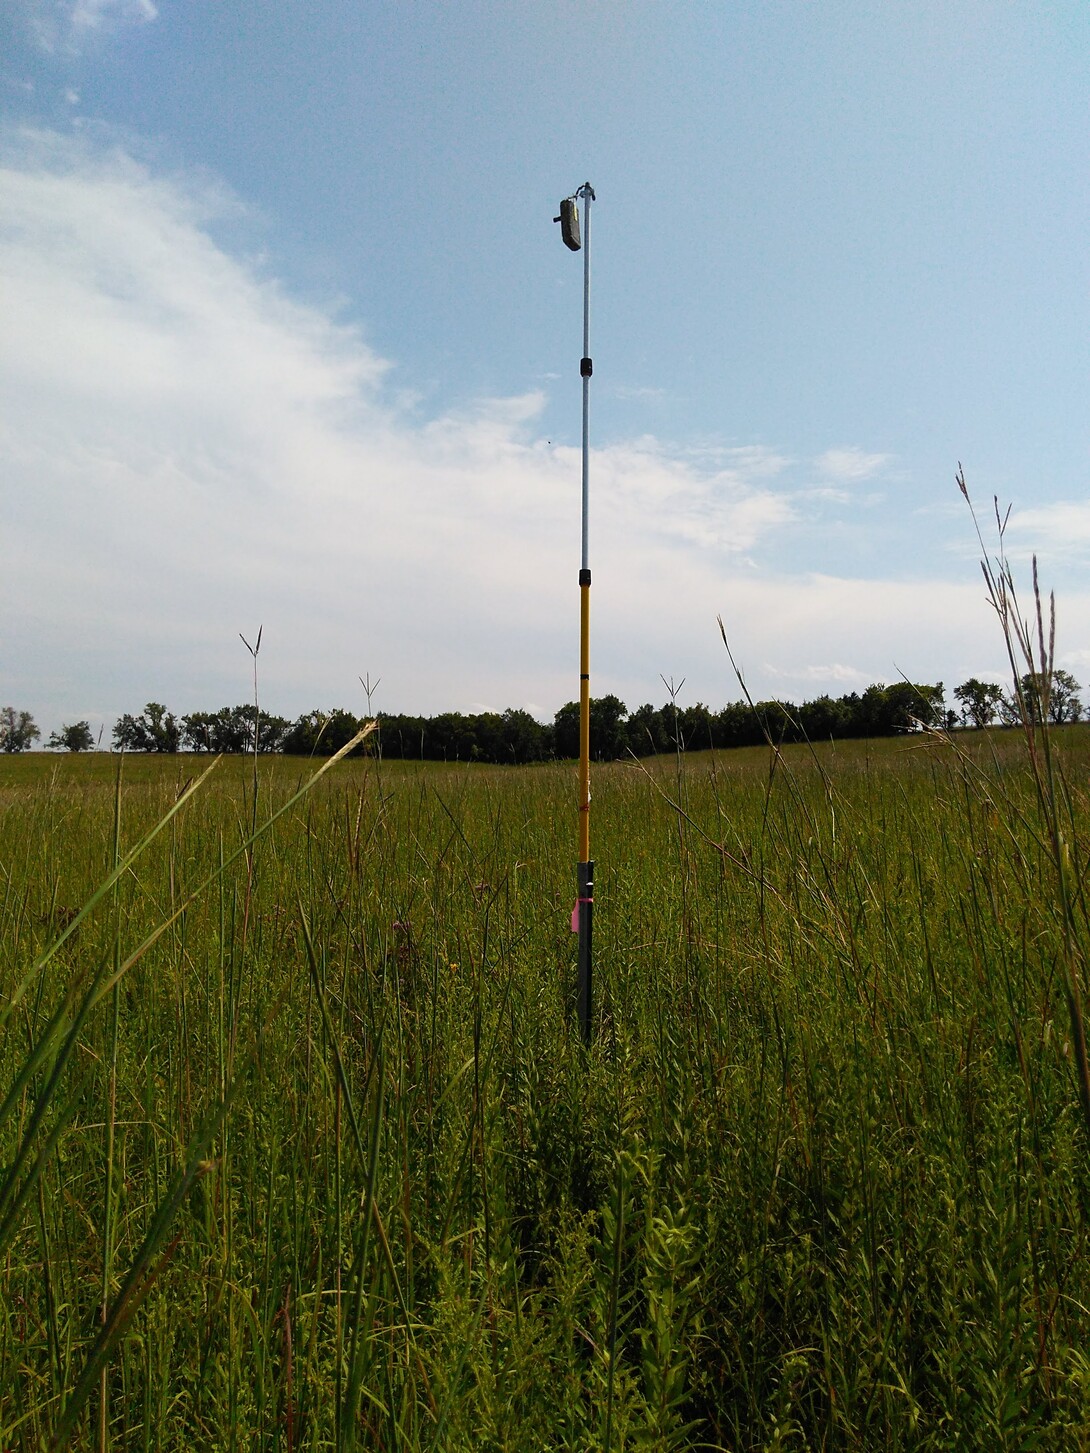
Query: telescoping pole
point(582, 918)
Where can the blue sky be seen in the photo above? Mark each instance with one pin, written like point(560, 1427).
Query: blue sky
point(290, 339)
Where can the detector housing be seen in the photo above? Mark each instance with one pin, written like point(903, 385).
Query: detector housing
point(569, 224)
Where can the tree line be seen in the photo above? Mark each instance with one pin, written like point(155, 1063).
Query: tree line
point(514, 736)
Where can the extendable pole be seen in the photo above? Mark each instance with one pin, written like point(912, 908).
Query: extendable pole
point(583, 913)
point(585, 870)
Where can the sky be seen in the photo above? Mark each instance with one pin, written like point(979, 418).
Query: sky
point(288, 339)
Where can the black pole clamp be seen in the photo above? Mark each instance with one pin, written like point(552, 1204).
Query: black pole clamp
point(586, 368)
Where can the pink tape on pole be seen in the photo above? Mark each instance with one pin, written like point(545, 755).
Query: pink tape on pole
point(575, 913)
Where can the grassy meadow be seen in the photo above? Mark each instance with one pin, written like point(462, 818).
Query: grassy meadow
point(300, 1147)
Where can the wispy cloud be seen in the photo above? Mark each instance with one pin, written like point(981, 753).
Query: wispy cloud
point(97, 14)
point(756, 461)
point(639, 392)
point(68, 25)
point(850, 464)
point(828, 494)
point(834, 674)
point(1060, 531)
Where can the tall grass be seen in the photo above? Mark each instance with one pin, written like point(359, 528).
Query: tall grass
point(301, 1147)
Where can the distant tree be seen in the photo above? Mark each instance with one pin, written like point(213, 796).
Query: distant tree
point(231, 729)
point(647, 731)
point(75, 738)
point(694, 726)
point(524, 738)
point(912, 706)
point(302, 739)
point(884, 711)
point(608, 736)
point(1030, 698)
point(130, 734)
point(1053, 699)
point(489, 744)
point(607, 728)
point(980, 701)
point(452, 737)
point(197, 729)
point(234, 729)
point(402, 736)
point(1063, 702)
point(1010, 710)
point(165, 731)
point(737, 725)
point(18, 730)
point(822, 718)
point(319, 733)
point(933, 705)
point(154, 730)
point(566, 730)
point(775, 720)
point(869, 717)
point(272, 731)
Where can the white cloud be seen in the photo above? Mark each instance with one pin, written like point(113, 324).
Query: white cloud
point(188, 452)
point(828, 494)
point(638, 392)
point(755, 461)
point(70, 24)
point(94, 14)
point(874, 630)
point(834, 674)
point(850, 464)
point(640, 486)
point(1060, 530)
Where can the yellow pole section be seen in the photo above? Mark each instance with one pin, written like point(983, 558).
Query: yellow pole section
point(584, 723)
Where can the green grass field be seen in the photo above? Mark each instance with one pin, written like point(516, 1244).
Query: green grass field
point(300, 1147)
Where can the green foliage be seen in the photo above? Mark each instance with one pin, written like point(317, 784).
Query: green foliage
point(1045, 696)
point(18, 730)
point(513, 737)
point(320, 733)
point(647, 731)
point(608, 737)
point(981, 701)
point(154, 730)
point(1063, 702)
point(75, 738)
point(231, 729)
